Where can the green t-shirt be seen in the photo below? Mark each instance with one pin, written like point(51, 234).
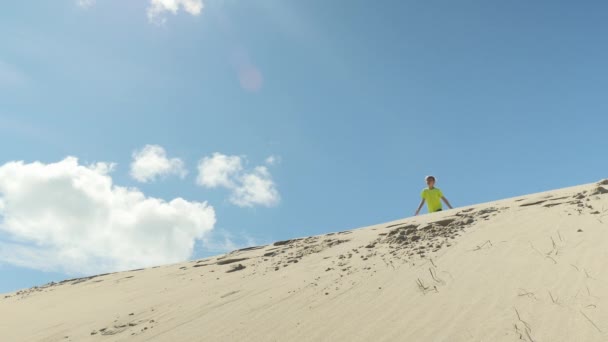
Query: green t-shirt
point(432, 198)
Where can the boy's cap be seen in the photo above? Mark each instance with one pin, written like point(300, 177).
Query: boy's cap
point(429, 177)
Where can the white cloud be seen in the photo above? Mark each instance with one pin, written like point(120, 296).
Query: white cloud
point(256, 187)
point(69, 217)
point(158, 8)
point(151, 162)
point(272, 160)
point(219, 170)
point(85, 3)
point(248, 188)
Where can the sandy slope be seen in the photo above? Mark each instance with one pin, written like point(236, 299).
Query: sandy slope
point(531, 268)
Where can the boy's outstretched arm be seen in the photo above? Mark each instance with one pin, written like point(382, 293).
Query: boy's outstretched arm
point(446, 202)
point(419, 207)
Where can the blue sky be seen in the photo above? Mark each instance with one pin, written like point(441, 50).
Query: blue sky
point(356, 101)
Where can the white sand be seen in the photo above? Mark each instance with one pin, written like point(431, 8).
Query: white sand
point(501, 271)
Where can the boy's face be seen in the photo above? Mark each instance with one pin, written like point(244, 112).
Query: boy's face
point(430, 182)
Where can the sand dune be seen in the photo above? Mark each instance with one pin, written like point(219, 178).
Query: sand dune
point(531, 268)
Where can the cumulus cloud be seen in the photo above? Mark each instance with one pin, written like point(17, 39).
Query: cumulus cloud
point(256, 187)
point(70, 217)
point(248, 188)
point(158, 8)
point(219, 170)
point(151, 162)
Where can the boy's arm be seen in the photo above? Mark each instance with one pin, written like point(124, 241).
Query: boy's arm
point(419, 207)
point(446, 202)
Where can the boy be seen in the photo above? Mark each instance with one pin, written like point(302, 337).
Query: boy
point(432, 196)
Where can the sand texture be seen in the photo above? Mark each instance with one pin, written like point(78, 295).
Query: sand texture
point(532, 268)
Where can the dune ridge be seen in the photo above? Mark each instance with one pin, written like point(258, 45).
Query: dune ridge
point(530, 268)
